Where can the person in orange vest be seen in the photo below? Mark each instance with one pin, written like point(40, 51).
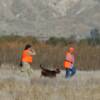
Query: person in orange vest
point(69, 63)
point(27, 58)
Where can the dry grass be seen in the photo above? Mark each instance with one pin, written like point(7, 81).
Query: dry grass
point(87, 57)
point(14, 86)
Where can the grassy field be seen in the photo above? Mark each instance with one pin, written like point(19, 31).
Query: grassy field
point(87, 56)
point(14, 85)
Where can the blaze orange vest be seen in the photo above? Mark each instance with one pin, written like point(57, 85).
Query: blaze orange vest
point(69, 61)
point(26, 57)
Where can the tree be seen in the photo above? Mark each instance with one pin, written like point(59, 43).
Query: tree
point(95, 36)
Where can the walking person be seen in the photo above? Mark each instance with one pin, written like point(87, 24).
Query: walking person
point(69, 63)
point(27, 58)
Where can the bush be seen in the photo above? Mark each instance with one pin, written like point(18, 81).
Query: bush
point(72, 39)
point(95, 37)
point(52, 41)
point(57, 41)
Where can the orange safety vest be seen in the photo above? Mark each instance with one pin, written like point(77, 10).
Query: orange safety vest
point(68, 63)
point(26, 57)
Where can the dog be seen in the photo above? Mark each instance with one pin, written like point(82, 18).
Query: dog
point(49, 73)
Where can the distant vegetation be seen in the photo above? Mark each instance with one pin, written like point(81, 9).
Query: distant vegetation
point(18, 39)
point(51, 53)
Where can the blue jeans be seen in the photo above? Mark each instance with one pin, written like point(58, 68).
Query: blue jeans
point(70, 72)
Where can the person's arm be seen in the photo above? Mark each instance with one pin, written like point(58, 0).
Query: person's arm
point(70, 58)
point(32, 52)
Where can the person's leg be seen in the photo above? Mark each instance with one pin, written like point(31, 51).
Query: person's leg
point(24, 67)
point(68, 73)
point(29, 70)
point(73, 71)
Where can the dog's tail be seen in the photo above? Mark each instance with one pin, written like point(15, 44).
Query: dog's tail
point(43, 68)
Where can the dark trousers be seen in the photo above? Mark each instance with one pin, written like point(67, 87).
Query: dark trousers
point(70, 72)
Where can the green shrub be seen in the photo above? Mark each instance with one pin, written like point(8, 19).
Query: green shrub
point(57, 41)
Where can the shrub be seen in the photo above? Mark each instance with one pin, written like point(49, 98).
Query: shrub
point(57, 41)
point(95, 37)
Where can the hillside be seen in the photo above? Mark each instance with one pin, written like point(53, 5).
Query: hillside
point(44, 18)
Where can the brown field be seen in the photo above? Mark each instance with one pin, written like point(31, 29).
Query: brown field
point(14, 85)
point(87, 56)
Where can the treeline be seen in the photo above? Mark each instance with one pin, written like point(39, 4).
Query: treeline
point(51, 41)
point(18, 39)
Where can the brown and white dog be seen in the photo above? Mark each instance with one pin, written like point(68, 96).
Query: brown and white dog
point(49, 73)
